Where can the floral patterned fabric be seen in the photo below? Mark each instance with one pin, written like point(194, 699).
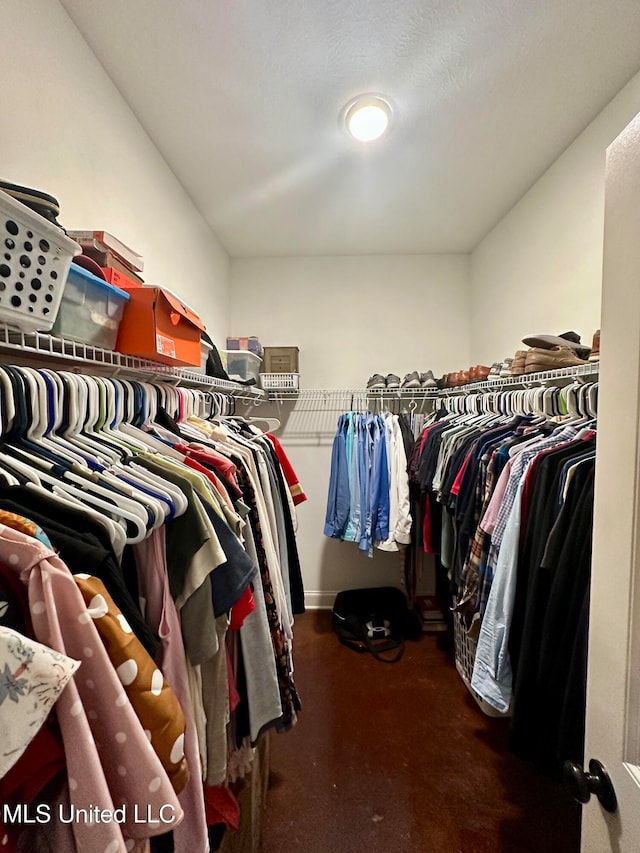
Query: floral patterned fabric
point(32, 677)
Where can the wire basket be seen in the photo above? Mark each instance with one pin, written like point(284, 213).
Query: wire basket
point(465, 654)
point(280, 381)
point(34, 263)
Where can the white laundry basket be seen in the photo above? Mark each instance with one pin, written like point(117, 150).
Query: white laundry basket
point(280, 381)
point(35, 257)
point(465, 654)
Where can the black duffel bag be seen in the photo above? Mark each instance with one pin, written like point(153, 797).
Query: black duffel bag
point(375, 620)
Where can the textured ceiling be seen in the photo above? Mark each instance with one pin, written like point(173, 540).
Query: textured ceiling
point(243, 97)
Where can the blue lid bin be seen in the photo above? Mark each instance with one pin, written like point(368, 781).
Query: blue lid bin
point(90, 310)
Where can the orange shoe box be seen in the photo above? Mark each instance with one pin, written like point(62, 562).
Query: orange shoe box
point(158, 326)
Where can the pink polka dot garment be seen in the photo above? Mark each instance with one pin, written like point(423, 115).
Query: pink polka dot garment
point(110, 762)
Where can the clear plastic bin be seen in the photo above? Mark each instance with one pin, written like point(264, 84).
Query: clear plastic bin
point(90, 310)
point(242, 365)
point(205, 349)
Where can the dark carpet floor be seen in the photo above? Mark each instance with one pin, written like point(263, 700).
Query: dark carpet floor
point(400, 758)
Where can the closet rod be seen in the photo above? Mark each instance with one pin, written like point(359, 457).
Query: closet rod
point(50, 348)
point(334, 393)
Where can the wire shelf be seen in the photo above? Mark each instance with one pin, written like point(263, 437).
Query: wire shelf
point(327, 395)
point(50, 347)
point(524, 380)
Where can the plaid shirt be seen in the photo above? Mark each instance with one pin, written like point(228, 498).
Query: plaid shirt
point(482, 557)
point(518, 470)
point(472, 581)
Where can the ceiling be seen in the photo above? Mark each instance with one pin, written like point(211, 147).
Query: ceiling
point(243, 99)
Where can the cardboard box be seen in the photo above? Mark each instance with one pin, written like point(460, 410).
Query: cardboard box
point(104, 241)
point(119, 279)
point(158, 326)
point(281, 360)
point(107, 259)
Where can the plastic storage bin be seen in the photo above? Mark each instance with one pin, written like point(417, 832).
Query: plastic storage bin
point(205, 349)
point(242, 365)
point(34, 263)
point(91, 309)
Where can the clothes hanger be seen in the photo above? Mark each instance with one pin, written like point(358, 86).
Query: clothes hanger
point(54, 392)
point(39, 418)
point(84, 411)
point(119, 476)
point(77, 482)
point(87, 481)
point(120, 413)
point(115, 530)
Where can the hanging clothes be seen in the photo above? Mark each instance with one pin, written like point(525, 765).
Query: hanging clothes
point(507, 502)
point(169, 529)
point(368, 501)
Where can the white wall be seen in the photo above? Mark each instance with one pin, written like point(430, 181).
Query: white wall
point(540, 269)
point(354, 316)
point(350, 317)
point(66, 130)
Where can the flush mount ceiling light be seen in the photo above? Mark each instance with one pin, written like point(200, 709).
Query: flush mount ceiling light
point(367, 117)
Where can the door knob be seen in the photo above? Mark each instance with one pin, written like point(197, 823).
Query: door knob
point(581, 785)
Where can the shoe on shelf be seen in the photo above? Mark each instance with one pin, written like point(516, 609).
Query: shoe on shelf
point(392, 381)
point(570, 340)
point(482, 372)
point(538, 359)
point(505, 368)
point(595, 347)
point(376, 382)
point(411, 380)
point(518, 362)
point(428, 380)
point(494, 372)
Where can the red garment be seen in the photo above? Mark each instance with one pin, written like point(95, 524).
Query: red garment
point(455, 489)
point(426, 527)
point(241, 609)
point(222, 806)
point(426, 520)
point(234, 696)
point(211, 457)
point(287, 469)
point(41, 761)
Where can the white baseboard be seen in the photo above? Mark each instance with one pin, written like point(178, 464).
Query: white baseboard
point(315, 600)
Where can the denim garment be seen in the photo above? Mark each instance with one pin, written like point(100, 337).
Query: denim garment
point(365, 450)
point(380, 484)
point(338, 500)
point(352, 533)
point(492, 675)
